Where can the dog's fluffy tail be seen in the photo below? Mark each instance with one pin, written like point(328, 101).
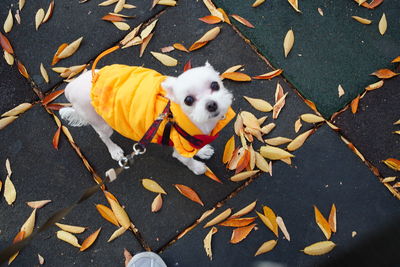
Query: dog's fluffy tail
point(73, 118)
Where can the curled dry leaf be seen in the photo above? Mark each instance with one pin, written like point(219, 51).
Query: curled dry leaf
point(52, 96)
point(113, 18)
point(22, 69)
point(288, 42)
point(56, 138)
point(241, 233)
point(131, 39)
point(257, 3)
point(266, 247)
point(261, 163)
point(9, 58)
point(259, 104)
point(238, 222)
point(68, 237)
point(243, 162)
point(269, 75)
point(210, 174)
point(219, 218)
point(187, 66)
point(18, 238)
point(107, 214)
point(210, 19)
point(322, 223)
point(277, 141)
point(384, 180)
point(280, 103)
point(382, 26)
point(153, 186)
point(242, 20)
point(6, 121)
point(180, 47)
point(271, 217)
point(295, 5)
point(21, 108)
point(44, 73)
point(362, 20)
point(228, 150)
point(70, 49)
point(165, 59)
point(236, 76)
point(319, 248)
point(213, 10)
point(245, 210)
point(238, 125)
point(90, 240)
point(299, 140)
point(8, 23)
point(384, 74)
point(59, 50)
point(374, 86)
point(157, 203)
point(340, 91)
point(117, 233)
point(250, 120)
point(332, 219)
point(49, 12)
point(243, 176)
point(39, 18)
point(71, 228)
point(282, 226)
point(274, 153)
point(189, 193)
point(207, 241)
point(38, 204)
point(237, 156)
point(207, 37)
point(144, 44)
point(354, 104)
point(392, 163)
point(5, 44)
point(146, 31)
point(29, 224)
point(10, 194)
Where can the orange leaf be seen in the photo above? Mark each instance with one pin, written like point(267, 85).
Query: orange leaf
point(19, 237)
point(372, 5)
point(238, 222)
point(332, 219)
point(107, 214)
point(243, 21)
point(56, 138)
point(189, 193)
point(197, 45)
point(228, 151)
point(224, 15)
point(243, 162)
point(269, 75)
point(354, 104)
point(110, 196)
point(396, 60)
point(211, 175)
point(187, 66)
point(236, 76)
point(210, 19)
point(384, 73)
point(5, 44)
point(55, 106)
point(111, 17)
point(393, 163)
point(90, 240)
point(241, 233)
point(322, 223)
point(311, 104)
point(50, 97)
point(59, 50)
point(180, 47)
point(22, 69)
point(270, 214)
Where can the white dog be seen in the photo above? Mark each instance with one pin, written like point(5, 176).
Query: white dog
point(128, 99)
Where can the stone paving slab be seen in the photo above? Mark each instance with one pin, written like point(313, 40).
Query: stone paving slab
point(328, 50)
point(371, 129)
point(14, 89)
point(325, 172)
point(226, 50)
point(70, 21)
point(41, 172)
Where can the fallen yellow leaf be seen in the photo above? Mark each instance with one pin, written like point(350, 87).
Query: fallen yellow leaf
point(266, 247)
point(68, 237)
point(153, 186)
point(90, 240)
point(319, 248)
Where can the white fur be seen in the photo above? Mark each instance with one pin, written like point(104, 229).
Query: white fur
point(195, 82)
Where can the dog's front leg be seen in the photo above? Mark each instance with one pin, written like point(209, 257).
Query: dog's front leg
point(197, 167)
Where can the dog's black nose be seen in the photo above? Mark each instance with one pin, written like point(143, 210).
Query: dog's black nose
point(211, 106)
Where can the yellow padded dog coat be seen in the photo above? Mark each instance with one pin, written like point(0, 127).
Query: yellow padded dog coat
point(130, 98)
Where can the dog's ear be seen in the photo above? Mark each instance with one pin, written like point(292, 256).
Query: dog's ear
point(168, 85)
point(208, 65)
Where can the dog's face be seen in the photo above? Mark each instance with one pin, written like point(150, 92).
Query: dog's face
point(200, 93)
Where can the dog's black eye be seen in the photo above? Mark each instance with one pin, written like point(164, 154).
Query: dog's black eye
point(214, 86)
point(189, 100)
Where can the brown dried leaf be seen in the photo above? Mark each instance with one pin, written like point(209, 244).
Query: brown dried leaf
point(207, 37)
point(18, 238)
point(68, 237)
point(210, 174)
point(107, 214)
point(322, 223)
point(180, 47)
point(392, 163)
point(243, 162)
point(278, 106)
point(238, 222)
point(144, 44)
point(5, 44)
point(311, 105)
point(153, 186)
point(21, 4)
point(44, 73)
point(210, 19)
point(257, 3)
point(236, 76)
point(384, 180)
point(49, 12)
point(243, 176)
point(354, 104)
point(295, 5)
point(51, 97)
point(70, 49)
point(362, 20)
point(38, 204)
point(374, 86)
point(187, 66)
point(113, 18)
point(131, 39)
point(90, 240)
point(228, 150)
point(207, 242)
point(384, 74)
point(219, 218)
point(242, 20)
point(319, 248)
point(189, 193)
point(266, 247)
point(269, 75)
point(245, 210)
point(22, 69)
point(332, 219)
point(157, 203)
point(241, 233)
point(56, 138)
point(282, 226)
point(237, 155)
point(59, 50)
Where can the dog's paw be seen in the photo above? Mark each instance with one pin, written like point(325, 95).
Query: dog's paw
point(116, 153)
point(197, 167)
point(206, 152)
